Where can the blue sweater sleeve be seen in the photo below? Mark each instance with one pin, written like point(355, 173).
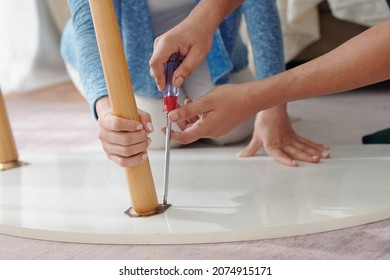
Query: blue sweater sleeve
point(86, 58)
point(80, 50)
point(266, 37)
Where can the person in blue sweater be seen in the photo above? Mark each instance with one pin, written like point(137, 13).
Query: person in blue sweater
point(142, 22)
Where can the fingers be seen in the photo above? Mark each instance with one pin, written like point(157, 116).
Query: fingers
point(192, 51)
point(125, 141)
point(130, 161)
point(190, 134)
point(110, 122)
point(276, 152)
point(299, 149)
point(189, 122)
point(191, 60)
point(288, 151)
point(187, 112)
point(186, 123)
point(124, 148)
point(121, 138)
point(162, 51)
point(282, 157)
point(320, 148)
point(185, 69)
point(311, 154)
point(146, 120)
point(194, 119)
point(126, 156)
point(254, 145)
point(300, 154)
point(181, 124)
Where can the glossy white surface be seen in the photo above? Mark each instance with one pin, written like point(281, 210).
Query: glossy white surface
point(215, 197)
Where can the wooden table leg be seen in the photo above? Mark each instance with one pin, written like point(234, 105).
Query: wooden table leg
point(121, 95)
point(8, 152)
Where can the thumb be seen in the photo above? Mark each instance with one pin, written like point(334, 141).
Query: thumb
point(252, 148)
point(187, 112)
point(187, 66)
point(146, 120)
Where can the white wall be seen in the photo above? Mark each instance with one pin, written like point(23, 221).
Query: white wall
point(29, 48)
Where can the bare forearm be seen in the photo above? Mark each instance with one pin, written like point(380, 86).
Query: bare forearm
point(361, 61)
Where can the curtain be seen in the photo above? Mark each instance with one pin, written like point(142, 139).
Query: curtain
point(300, 19)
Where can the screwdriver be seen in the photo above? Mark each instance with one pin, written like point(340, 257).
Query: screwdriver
point(170, 100)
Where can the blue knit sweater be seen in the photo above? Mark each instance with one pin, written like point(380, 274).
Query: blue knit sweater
point(228, 54)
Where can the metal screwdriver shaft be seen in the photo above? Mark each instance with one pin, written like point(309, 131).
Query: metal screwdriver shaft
point(167, 160)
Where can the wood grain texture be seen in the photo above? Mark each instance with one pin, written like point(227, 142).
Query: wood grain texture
point(8, 151)
point(121, 95)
